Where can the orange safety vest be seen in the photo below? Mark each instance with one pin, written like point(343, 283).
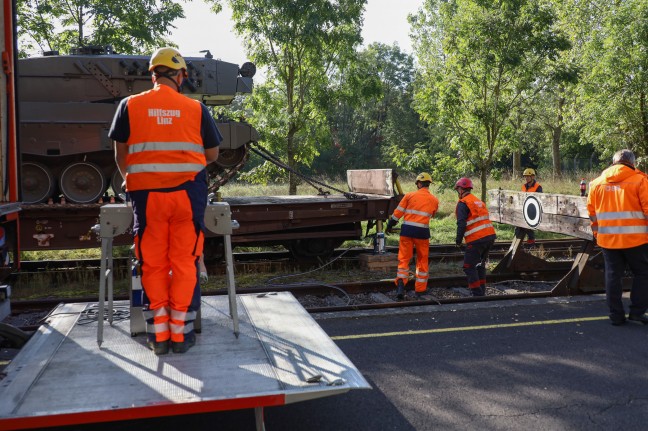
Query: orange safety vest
point(478, 224)
point(618, 208)
point(531, 189)
point(417, 208)
point(165, 147)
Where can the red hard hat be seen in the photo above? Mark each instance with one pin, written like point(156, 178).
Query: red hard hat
point(464, 183)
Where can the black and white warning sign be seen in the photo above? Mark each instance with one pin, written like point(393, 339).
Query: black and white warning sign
point(532, 211)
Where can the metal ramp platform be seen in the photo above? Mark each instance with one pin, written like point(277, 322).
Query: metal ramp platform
point(281, 356)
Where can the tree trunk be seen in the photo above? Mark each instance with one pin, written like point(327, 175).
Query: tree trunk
point(556, 133)
point(517, 164)
point(291, 151)
point(80, 23)
point(292, 163)
point(555, 151)
point(484, 178)
point(644, 125)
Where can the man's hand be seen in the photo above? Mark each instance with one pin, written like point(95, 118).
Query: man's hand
point(390, 226)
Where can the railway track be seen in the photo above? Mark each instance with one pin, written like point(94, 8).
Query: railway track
point(318, 296)
point(558, 249)
point(367, 295)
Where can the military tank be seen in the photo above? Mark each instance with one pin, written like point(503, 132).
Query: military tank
point(66, 105)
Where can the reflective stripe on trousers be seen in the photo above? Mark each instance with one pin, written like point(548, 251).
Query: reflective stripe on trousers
point(406, 248)
point(157, 324)
point(169, 243)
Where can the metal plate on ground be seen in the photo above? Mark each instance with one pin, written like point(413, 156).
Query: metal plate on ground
point(281, 356)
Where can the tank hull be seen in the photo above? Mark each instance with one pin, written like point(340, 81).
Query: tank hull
point(66, 107)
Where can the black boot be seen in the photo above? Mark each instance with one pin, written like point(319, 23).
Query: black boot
point(159, 347)
point(641, 318)
point(400, 290)
point(477, 291)
point(182, 347)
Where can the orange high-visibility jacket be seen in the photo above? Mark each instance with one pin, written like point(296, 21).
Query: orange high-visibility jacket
point(531, 189)
point(478, 224)
point(618, 207)
point(165, 147)
point(416, 208)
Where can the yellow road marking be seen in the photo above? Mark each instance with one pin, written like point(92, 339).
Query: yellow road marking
point(469, 328)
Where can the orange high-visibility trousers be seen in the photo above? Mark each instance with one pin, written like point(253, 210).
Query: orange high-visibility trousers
point(406, 248)
point(168, 244)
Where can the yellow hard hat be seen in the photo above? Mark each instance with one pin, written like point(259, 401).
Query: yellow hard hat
point(169, 57)
point(528, 171)
point(424, 176)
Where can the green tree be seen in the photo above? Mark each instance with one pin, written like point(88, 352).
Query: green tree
point(372, 122)
point(480, 61)
point(129, 26)
point(299, 43)
point(613, 98)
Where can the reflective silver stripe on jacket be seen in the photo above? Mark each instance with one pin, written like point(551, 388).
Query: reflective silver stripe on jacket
point(165, 146)
point(165, 167)
point(411, 223)
point(422, 213)
point(622, 215)
point(622, 229)
point(477, 229)
point(475, 220)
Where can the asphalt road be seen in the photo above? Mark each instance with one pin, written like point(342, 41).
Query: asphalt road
point(551, 364)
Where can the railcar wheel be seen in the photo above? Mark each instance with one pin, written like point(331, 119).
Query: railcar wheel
point(82, 182)
point(116, 182)
point(313, 247)
point(214, 249)
point(229, 158)
point(37, 183)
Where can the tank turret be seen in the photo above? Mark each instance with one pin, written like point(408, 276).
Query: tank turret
point(67, 103)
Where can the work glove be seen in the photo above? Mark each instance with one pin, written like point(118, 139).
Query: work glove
point(459, 246)
point(390, 226)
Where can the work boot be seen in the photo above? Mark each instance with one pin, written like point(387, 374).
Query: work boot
point(477, 291)
point(183, 346)
point(159, 347)
point(400, 290)
point(482, 288)
point(641, 318)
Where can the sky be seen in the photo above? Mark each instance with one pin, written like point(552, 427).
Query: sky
point(384, 21)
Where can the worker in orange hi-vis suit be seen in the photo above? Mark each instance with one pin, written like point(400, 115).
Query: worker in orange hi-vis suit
point(618, 208)
point(163, 142)
point(416, 208)
point(473, 226)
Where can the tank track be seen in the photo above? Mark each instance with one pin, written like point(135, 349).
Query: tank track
point(220, 177)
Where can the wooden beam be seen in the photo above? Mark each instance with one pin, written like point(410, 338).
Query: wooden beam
point(564, 214)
